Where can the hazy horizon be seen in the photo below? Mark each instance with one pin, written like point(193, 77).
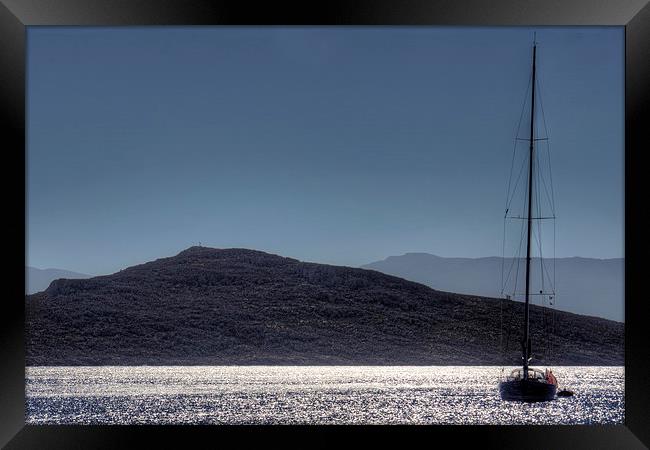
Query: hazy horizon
point(335, 145)
point(313, 261)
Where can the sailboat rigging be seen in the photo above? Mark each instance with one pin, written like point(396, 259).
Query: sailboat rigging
point(527, 383)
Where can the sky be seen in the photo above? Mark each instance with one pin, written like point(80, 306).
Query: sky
point(333, 145)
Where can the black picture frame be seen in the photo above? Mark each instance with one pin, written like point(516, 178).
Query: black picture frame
point(16, 15)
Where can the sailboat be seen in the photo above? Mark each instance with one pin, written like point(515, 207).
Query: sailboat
point(526, 383)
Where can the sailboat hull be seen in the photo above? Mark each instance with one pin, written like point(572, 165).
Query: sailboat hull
point(527, 391)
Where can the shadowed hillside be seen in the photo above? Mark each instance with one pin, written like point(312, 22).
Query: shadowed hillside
point(237, 306)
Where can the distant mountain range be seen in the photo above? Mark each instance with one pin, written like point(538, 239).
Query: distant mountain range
point(39, 279)
point(237, 306)
point(589, 286)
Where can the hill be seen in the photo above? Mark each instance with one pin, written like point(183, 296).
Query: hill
point(237, 306)
point(39, 279)
point(589, 286)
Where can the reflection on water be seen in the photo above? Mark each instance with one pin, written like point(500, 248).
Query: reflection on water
point(310, 394)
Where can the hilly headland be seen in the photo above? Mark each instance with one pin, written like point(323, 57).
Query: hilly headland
point(209, 306)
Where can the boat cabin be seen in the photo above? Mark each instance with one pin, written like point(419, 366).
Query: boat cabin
point(533, 374)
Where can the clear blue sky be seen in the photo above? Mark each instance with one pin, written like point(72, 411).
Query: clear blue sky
point(334, 145)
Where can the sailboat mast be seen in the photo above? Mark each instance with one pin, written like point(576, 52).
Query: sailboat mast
point(526, 342)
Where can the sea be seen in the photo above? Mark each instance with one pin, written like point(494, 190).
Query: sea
point(311, 395)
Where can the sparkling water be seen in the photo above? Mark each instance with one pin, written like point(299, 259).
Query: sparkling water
point(311, 395)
